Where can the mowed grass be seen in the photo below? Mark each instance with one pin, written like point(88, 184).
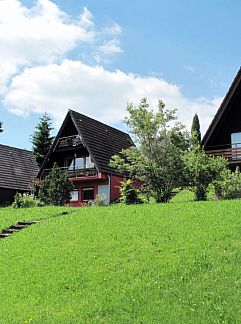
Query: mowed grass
point(10, 216)
point(172, 263)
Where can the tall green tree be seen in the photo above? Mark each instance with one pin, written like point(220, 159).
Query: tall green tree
point(42, 139)
point(56, 188)
point(195, 130)
point(156, 160)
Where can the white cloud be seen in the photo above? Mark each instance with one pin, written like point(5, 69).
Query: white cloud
point(110, 47)
point(87, 19)
point(42, 34)
point(97, 92)
point(37, 77)
point(114, 29)
point(190, 68)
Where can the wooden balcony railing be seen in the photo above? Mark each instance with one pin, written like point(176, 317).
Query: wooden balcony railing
point(232, 152)
point(77, 173)
point(69, 141)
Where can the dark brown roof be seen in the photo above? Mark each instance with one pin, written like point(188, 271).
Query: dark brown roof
point(18, 168)
point(236, 84)
point(102, 141)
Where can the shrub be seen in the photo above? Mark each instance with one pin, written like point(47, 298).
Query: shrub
point(202, 170)
point(26, 201)
point(100, 201)
point(229, 186)
point(129, 194)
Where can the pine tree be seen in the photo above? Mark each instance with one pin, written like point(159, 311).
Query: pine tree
point(41, 138)
point(195, 130)
point(56, 188)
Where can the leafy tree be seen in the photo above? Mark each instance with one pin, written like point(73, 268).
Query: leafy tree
point(41, 139)
point(195, 130)
point(156, 160)
point(56, 188)
point(202, 170)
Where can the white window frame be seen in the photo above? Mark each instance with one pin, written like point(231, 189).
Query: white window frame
point(72, 196)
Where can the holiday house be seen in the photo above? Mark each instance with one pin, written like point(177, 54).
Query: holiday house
point(223, 137)
point(18, 170)
point(83, 148)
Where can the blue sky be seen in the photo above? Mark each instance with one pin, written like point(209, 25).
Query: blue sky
point(95, 56)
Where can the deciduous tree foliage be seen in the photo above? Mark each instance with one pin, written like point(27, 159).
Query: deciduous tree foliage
point(228, 186)
point(42, 139)
point(202, 170)
point(156, 160)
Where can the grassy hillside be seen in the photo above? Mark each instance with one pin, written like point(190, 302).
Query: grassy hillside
point(173, 263)
point(9, 216)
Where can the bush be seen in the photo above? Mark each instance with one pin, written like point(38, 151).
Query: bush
point(202, 170)
point(129, 194)
point(100, 201)
point(26, 201)
point(229, 186)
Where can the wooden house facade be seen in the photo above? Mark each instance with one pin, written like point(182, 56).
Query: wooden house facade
point(223, 137)
point(83, 148)
point(18, 170)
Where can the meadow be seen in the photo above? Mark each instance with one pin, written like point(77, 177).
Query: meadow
point(167, 263)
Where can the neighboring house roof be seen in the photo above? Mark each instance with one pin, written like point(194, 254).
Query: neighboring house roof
point(102, 141)
point(234, 88)
point(18, 168)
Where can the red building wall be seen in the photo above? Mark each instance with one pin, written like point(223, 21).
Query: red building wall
point(81, 184)
point(115, 183)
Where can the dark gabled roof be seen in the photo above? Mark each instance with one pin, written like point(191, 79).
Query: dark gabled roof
point(235, 86)
point(102, 141)
point(18, 168)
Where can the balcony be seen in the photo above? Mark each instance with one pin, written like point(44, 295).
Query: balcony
point(68, 142)
point(232, 152)
point(76, 173)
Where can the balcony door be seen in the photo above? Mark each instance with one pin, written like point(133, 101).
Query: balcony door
point(79, 163)
point(236, 145)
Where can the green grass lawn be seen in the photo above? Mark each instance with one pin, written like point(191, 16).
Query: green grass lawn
point(10, 216)
point(172, 263)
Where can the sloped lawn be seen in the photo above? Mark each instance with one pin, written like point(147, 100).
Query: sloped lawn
point(172, 263)
point(10, 216)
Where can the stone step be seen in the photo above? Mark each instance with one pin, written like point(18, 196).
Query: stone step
point(26, 223)
point(3, 235)
point(19, 227)
point(9, 230)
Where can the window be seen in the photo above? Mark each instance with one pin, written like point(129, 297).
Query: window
point(88, 194)
point(71, 166)
point(236, 145)
point(74, 195)
point(236, 139)
point(78, 163)
point(89, 163)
